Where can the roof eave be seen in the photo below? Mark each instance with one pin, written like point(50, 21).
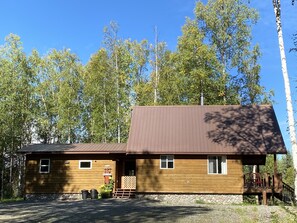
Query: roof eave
point(192, 153)
point(73, 152)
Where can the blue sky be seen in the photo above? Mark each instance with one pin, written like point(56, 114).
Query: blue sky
point(78, 25)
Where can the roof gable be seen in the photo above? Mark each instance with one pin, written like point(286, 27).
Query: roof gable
point(204, 130)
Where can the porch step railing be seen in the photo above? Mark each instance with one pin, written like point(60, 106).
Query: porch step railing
point(287, 195)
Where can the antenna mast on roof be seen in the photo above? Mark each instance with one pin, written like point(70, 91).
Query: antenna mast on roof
point(201, 94)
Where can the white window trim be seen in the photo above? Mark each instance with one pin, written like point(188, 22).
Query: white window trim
point(49, 166)
point(166, 162)
point(85, 168)
point(224, 167)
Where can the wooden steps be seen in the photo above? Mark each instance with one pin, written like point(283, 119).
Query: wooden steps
point(124, 193)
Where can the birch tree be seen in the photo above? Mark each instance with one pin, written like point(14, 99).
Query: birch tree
point(120, 63)
point(292, 130)
point(99, 99)
point(16, 90)
point(58, 96)
point(227, 27)
point(141, 88)
point(199, 69)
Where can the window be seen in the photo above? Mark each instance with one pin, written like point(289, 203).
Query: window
point(44, 166)
point(166, 162)
point(85, 164)
point(217, 165)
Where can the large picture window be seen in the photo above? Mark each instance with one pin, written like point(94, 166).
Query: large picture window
point(217, 165)
point(166, 162)
point(85, 164)
point(44, 166)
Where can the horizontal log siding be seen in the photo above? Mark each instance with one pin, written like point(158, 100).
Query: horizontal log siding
point(190, 175)
point(65, 175)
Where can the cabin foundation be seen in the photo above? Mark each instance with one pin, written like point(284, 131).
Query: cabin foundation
point(194, 198)
point(53, 196)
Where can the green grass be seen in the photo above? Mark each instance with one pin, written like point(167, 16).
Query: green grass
point(274, 217)
point(200, 201)
point(12, 199)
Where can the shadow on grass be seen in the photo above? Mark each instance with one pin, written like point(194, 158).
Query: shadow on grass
point(110, 210)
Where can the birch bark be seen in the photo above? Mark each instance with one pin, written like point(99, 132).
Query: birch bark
point(292, 131)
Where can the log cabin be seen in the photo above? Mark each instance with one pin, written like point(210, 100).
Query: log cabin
point(173, 153)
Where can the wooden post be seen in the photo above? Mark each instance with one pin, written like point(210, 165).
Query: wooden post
point(275, 164)
point(264, 195)
point(274, 176)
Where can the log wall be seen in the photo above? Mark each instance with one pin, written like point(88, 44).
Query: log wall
point(190, 175)
point(65, 176)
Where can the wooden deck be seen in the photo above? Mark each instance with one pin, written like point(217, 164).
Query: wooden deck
point(256, 183)
point(268, 186)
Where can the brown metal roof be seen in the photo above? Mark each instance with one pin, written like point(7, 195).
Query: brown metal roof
point(205, 130)
point(80, 148)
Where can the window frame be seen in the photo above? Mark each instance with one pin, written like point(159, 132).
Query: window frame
point(168, 159)
point(42, 165)
point(223, 165)
point(85, 168)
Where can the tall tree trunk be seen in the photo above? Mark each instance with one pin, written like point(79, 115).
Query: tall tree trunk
point(10, 175)
point(2, 174)
point(292, 132)
point(20, 173)
point(156, 68)
point(104, 112)
point(118, 95)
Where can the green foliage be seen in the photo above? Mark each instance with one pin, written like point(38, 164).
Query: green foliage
point(286, 168)
point(269, 165)
point(99, 99)
point(227, 28)
point(249, 199)
point(120, 63)
point(200, 201)
point(198, 68)
point(105, 194)
point(16, 104)
point(106, 189)
point(58, 96)
point(12, 200)
point(170, 81)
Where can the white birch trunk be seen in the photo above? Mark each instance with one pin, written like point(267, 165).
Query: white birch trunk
point(2, 175)
point(292, 131)
point(104, 113)
point(156, 68)
point(118, 96)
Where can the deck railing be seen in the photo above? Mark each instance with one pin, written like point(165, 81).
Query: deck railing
point(257, 180)
point(128, 182)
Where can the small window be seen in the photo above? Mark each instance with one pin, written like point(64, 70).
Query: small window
point(85, 164)
point(217, 165)
point(44, 166)
point(166, 162)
